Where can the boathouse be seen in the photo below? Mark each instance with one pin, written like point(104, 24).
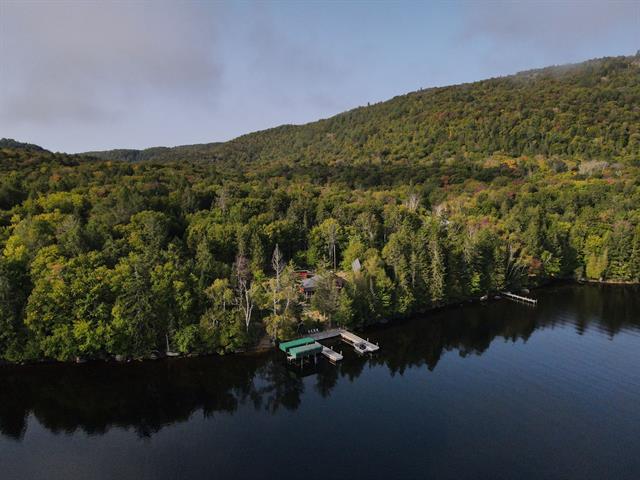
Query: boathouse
point(303, 351)
point(301, 348)
point(287, 346)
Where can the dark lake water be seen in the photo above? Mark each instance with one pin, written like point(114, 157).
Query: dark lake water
point(493, 391)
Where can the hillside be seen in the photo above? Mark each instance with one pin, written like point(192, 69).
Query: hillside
point(587, 110)
point(11, 144)
point(443, 195)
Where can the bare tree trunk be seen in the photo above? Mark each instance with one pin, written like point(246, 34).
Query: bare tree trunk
point(333, 249)
point(244, 298)
point(247, 307)
point(277, 262)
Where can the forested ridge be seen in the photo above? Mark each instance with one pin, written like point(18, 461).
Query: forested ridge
point(442, 195)
point(588, 109)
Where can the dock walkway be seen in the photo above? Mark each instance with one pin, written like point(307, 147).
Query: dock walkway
point(332, 355)
point(359, 344)
point(326, 334)
point(520, 298)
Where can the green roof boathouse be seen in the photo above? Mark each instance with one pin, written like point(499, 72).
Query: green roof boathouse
point(301, 348)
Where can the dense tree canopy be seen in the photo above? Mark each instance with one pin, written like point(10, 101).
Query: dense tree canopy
point(431, 198)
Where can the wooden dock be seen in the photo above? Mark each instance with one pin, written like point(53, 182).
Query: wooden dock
point(326, 334)
point(332, 355)
point(359, 344)
point(520, 298)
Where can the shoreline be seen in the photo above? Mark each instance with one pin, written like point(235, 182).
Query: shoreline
point(261, 349)
point(608, 282)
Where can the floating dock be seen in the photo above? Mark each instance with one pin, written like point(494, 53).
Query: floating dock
point(332, 355)
point(360, 345)
point(520, 298)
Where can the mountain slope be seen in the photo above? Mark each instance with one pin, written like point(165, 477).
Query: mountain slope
point(589, 110)
point(9, 143)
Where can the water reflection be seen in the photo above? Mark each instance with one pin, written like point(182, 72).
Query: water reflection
point(146, 397)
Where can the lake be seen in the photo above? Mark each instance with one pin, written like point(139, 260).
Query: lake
point(496, 390)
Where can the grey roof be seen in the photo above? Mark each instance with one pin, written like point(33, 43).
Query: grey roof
point(311, 282)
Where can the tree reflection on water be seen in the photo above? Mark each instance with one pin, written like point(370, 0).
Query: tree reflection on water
point(146, 397)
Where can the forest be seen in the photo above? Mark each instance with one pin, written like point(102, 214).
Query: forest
point(432, 198)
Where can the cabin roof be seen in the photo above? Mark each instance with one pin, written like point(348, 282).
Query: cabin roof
point(311, 282)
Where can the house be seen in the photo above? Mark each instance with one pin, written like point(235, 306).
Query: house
point(310, 284)
point(303, 274)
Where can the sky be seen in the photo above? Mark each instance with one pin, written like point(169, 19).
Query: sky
point(93, 75)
